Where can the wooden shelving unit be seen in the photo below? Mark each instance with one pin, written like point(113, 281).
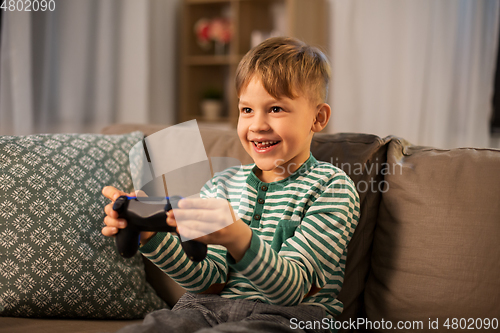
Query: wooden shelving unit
point(203, 69)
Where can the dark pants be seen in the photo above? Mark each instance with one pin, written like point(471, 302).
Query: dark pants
point(212, 313)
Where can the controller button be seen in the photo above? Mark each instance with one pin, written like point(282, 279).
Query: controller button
point(119, 203)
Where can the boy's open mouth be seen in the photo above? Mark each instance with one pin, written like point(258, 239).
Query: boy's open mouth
point(265, 144)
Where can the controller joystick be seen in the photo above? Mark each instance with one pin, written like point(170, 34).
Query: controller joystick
point(149, 216)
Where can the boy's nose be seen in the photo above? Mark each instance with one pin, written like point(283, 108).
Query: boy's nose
point(259, 123)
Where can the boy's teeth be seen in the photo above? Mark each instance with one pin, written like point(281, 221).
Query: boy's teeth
point(264, 144)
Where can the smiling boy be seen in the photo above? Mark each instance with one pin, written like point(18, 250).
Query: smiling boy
point(282, 252)
point(277, 131)
point(282, 88)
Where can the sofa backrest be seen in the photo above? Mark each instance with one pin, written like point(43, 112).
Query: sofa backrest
point(436, 250)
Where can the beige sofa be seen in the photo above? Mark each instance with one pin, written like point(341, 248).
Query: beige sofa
point(425, 255)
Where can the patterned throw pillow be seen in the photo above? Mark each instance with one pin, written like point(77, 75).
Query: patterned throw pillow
point(54, 261)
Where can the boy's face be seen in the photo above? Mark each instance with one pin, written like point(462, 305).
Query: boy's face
point(276, 133)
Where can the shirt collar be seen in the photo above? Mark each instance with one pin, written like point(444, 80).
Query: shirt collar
point(255, 182)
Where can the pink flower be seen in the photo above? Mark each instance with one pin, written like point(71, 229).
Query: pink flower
point(202, 31)
point(219, 30)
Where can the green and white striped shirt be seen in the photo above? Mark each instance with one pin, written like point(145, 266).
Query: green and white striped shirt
point(301, 227)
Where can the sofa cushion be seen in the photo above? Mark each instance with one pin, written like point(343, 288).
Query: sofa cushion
point(54, 261)
point(436, 247)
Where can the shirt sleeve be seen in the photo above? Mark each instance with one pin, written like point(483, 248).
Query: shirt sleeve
point(166, 252)
point(311, 259)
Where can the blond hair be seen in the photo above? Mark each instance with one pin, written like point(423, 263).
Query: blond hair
point(286, 67)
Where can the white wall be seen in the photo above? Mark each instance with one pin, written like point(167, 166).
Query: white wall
point(419, 69)
point(88, 64)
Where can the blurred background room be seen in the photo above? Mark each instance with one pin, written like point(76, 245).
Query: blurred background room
point(424, 70)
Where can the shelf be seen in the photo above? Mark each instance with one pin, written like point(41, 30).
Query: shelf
point(201, 60)
point(203, 69)
point(197, 2)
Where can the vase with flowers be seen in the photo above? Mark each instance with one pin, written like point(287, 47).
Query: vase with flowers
point(217, 31)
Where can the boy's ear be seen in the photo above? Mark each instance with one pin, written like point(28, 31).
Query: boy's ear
point(322, 117)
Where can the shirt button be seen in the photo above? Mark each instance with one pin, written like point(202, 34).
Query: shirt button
point(264, 188)
point(256, 217)
point(261, 201)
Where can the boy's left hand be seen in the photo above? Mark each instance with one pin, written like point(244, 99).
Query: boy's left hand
point(211, 221)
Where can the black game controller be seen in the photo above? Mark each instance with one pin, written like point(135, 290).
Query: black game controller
point(149, 216)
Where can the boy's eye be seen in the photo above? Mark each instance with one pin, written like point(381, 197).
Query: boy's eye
point(246, 110)
point(276, 109)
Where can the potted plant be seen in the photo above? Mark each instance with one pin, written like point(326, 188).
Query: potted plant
point(212, 103)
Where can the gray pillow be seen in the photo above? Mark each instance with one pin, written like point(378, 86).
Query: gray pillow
point(54, 261)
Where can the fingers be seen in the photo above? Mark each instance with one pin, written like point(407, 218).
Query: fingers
point(192, 228)
point(198, 203)
point(112, 193)
point(200, 217)
point(108, 209)
point(171, 221)
point(182, 215)
point(115, 223)
point(194, 223)
point(195, 209)
point(112, 226)
point(109, 231)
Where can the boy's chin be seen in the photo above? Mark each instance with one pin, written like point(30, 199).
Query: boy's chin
point(269, 166)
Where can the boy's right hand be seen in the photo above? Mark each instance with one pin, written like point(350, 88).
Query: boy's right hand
point(113, 223)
